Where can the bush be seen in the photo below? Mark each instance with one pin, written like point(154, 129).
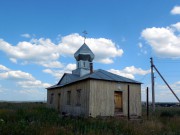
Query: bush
point(35, 119)
point(166, 114)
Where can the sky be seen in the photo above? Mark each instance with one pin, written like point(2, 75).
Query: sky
point(39, 37)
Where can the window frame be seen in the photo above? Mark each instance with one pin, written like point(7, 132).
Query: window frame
point(78, 97)
point(69, 97)
point(51, 98)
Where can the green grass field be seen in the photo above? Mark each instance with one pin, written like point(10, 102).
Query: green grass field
point(36, 119)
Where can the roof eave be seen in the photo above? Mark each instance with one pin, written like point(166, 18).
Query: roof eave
point(59, 86)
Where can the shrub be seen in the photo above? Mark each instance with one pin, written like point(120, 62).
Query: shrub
point(166, 114)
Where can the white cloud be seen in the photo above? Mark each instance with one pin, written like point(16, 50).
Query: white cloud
point(54, 64)
point(16, 75)
point(176, 26)
point(142, 49)
point(70, 67)
point(24, 79)
point(41, 51)
point(121, 73)
point(177, 83)
point(56, 73)
point(134, 70)
point(165, 42)
point(59, 73)
point(129, 72)
point(23, 86)
point(49, 71)
point(140, 45)
point(46, 53)
point(3, 68)
point(163, 92)
point(106, 61)
point(26, 35)
point(33, 84)
point(104, 49)
point(13, 60)
point(175, 10)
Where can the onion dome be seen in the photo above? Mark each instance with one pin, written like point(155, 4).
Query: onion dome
point(84, 53)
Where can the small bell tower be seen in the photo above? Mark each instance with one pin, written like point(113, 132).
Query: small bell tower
point(84, 57)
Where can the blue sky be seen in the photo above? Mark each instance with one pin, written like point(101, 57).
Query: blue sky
point(38, 39)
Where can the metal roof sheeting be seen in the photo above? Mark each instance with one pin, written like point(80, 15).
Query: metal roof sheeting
point(97, 74)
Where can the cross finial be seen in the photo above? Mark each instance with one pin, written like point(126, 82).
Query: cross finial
point(85, 33)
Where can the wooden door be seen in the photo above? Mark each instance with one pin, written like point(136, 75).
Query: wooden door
point(118, 101)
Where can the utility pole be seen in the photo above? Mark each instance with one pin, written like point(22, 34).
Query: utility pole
point(152, 83)
point(128, 102)
point(147, 102)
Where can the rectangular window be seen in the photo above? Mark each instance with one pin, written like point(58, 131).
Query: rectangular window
point(51, 98)
point(78, 97)
point(68, 97)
